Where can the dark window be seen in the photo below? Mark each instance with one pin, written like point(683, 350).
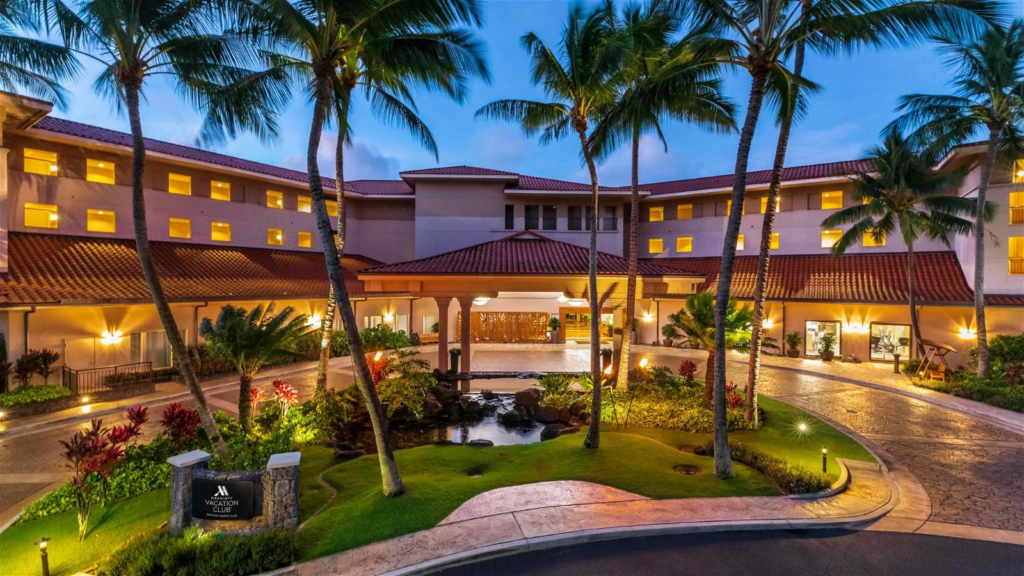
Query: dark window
point(550, 218)
point(610, 221)
point(589, 218)
point(575, 217)
point(510, 217)
point(532, 216)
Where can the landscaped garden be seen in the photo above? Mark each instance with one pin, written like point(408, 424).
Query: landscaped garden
point(1004, 389)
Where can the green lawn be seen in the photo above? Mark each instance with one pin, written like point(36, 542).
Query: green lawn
point(108, 528)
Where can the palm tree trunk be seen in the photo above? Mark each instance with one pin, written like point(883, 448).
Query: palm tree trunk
point(709, 377)
point(915, 325)
point(634, 217)
point(244, 406)
point(723, 463)
point(750, 415)
point(392, 482)
point(593, 438)
point(163, 308)
point(984, 364)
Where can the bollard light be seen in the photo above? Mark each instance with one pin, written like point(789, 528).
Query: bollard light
point(608, 370)
point(42, 554)
point(643, 362)
point(376, 357)
point(824, 460)
point(802, 427)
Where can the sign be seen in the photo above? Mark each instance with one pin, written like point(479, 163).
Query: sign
point(222, 500)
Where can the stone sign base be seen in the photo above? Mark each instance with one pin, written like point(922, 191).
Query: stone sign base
point(274, 494)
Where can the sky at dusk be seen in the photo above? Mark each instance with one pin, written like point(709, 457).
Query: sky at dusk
point(860, 92)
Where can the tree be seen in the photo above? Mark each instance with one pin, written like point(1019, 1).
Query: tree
point(905, 197)
point(988, 100)
point(697, 321)
point(250, 340)
point(31, 65)
point(184, 41)
point(580, 81)
point(664, 78)
point(311, 41)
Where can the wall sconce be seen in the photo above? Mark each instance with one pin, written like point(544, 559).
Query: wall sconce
point(109, 337)
point(767, 323)
point(313, 320)
point(389, 316)
point(856, 328)
point(481, 301)
point(648, 317)
point(577, 302)
point(968, 333)
point(562, 299)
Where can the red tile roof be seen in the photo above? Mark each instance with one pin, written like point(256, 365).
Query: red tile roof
point(538, 183)
point(868, 278)
point(523, 253)
point(379, 187)
point(458, 171)
point(46, 269)
point(762, 177)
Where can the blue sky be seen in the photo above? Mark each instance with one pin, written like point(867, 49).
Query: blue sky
point(859, 97)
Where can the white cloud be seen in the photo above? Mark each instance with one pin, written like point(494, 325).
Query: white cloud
point(362, 161)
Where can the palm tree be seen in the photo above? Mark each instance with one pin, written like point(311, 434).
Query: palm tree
point(581, 81)
point(905, 197)
point(664, 78)
point(696, 320)
point(988, 100)
point(314, 39)
point(182, 40)
point(251, 340)
point(30, 65)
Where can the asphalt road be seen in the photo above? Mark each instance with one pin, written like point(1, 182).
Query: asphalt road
point(789, 553)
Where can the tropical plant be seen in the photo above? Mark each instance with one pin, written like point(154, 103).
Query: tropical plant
point(988, 101)
point(180, 423)
point(554, 324)
point(45, 360)
point(250, 340)
point(688, 369)
point(26, 366)
point(793, 341)
point(94, 450)
point(405, 384)
point(664, 78)
point(826, 343)
point(697, 321)
point(30, 65)
point(904, 197)
point(580, 79)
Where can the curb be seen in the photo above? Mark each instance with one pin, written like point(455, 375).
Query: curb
point(840, 485)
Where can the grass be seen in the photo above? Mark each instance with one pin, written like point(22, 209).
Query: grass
point(108, 528)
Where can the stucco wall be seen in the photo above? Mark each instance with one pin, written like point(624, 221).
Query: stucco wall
point(998, 280)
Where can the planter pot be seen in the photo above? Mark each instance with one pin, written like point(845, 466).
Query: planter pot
point(634, 338)
point(554, 337)
point(667, 342)
point(793, 353)
point(694, 345)
point(453, 361)
point(827, 356)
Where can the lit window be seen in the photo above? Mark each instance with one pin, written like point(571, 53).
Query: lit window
point(100, 171)
point(220, 191)
point(179, 184)
point(657, 213)
point(1016, 254)
point(100, 221)
point(275, 199)
point(775, 241)
point(40, 162)
point(332, 208)
point(1016, 207)
point(305, 239)
point(220, 232)
point(180, 228)
point(655, 245)
point(305, 204)
point(831, 200)
point(684, 212)
point(830, 237)
point(764, 204)
point(684, 244)
point(1018, 171)
point(870, 241)
point(275, 237)
point(40, 215)
point(740, 244)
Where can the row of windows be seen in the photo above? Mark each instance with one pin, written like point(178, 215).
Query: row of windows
point(684, 244)
point(102, 171)
point(546, 217)
point(829, 201)
point(105, 221)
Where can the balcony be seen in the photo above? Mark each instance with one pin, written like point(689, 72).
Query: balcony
point(1016, 214)
point(1016, 266)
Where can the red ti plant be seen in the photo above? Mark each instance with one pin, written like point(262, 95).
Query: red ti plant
point(732, 397)
point(285, 395)
point(688, 369)
point(379, 367)
point(181, 423)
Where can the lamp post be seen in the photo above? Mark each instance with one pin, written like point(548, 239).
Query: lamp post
point(824, 460)
point(43, 556)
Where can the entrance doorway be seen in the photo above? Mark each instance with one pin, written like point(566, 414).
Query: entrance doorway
point(576, 323)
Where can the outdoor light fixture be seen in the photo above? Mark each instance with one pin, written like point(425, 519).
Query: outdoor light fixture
point(376, 357)
point(608, 370)
point(648, 317)
point(53, 217)
point(481, 301)
point(53, 167)
point(577, 301)
point(109, 337)
point(857, 328)
point(767, 323)
point(968, 333)
point(802, 427)
point(42, 553)
point(562, 298)
point(824, 460)
point(85, 399)
point(313, 319)
point(324, 343)
point(388, 316)
point(643, 362)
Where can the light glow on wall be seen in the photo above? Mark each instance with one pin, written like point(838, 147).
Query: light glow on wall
point(648, 317)
point(481, 301)
point(856, 328)
point(767, 323)
point(111, 337)
point(313, 320)
point(389, 316)
point(968, 333)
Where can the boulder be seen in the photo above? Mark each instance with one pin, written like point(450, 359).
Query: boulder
point(584, 417)
point(576, 422)
point(552, 431)
point(432, 408)
point(564, 416)
point(348, 454)
point(576, 407)
point(515, 416)
point(529, 398)
point(473, 409)
point(546, 415)
point(488, 394)
point(480, 443)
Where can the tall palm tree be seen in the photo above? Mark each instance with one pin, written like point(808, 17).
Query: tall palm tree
point(184, 41)
point(665, 78)
point(30, 65)
point(251, 340)
point(988, 100)
point(696, 320)
point(905, 197)
point(580, 78)
point(312, 43)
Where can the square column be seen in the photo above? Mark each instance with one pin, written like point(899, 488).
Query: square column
point(466, 304)
point(442, 332)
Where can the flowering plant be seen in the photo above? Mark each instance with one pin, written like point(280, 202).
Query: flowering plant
point(732, 397)
point(285, 395)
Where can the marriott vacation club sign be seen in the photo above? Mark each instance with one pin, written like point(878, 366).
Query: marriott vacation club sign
point(222, 500)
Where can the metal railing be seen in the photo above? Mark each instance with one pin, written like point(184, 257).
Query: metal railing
point(93, 380)
point(1016, 214)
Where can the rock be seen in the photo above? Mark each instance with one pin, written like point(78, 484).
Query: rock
point(444, 443)
point(529, 398)
point(432, 408)
point(343, 446)
point(480, 443)
point(576, 422)
point(545, 414)
point(576, 407)
point(515, 416)
point(584, 417)
point(488, 394)
point(552, 431)
point(564, 416)
point(348, 454)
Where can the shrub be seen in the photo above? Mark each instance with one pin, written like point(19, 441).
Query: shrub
point(383, 338)
point(1004, 349)
point(675, 410)
point(791, 479)
point(29, 394)
point(182, 424)
point(45, 363)
point(405, 384)
point(204, 554)
point(25, 367)
point(688, 369)
point(308, 345)
point(732, 397)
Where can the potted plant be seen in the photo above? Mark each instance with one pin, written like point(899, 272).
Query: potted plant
point(554, 325)
point(793, 341)
point(435, 327)
point(634, 333)
point(453, 359)
point(669, 332)
point(826, 346)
